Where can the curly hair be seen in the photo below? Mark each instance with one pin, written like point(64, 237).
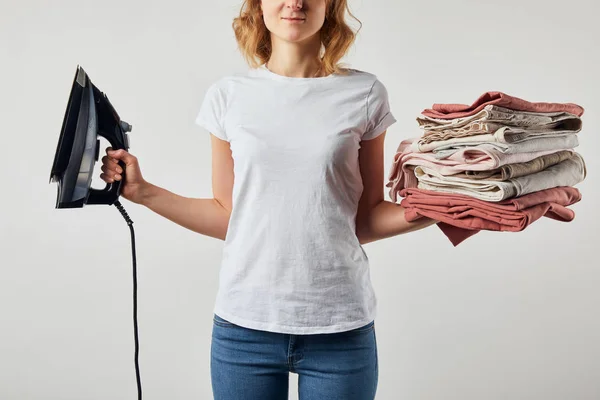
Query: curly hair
point(254, 39)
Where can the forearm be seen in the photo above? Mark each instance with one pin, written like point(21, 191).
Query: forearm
point(385, 220)
point(205, 216)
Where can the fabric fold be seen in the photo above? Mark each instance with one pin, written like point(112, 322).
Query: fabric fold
point(460, 216)
point(451, 111)
point(473, 149)
point(517, 170)
point(479, 128)
point(569, 172)
point(401, 174)
point(496, 114)
point(505, 134)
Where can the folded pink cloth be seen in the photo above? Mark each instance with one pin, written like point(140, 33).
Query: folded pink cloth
point(451, 111)
point(460, 217)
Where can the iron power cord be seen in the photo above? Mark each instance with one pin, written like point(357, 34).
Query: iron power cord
point(135, 323)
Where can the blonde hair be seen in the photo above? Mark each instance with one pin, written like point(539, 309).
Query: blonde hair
point(254, 39)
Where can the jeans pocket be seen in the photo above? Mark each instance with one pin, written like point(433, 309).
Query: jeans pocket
point(222, 322)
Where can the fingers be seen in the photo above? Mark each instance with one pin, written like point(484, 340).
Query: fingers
point(110, 174)
point(121, 155)
point(107, 159)
point(111, 169)
point(106, 178)
point(111, 163)
point(110, 177)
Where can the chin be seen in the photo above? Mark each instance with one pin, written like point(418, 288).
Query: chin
point(295, 36)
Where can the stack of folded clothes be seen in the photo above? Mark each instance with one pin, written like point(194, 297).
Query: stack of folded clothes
point(498, 164)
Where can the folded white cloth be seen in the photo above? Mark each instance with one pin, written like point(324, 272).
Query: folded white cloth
point(506, 134)
point(528, 146)
point(566, 173)
point(481, 158)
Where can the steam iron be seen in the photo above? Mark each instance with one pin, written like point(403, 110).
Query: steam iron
point(89, 114)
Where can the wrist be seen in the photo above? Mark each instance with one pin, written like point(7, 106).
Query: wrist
point(147, 193)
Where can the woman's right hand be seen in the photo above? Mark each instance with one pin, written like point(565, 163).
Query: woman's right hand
point(134, 185)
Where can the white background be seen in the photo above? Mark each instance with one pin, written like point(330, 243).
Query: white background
point(501, 316)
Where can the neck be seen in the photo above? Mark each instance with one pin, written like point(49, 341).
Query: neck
point(297, 60)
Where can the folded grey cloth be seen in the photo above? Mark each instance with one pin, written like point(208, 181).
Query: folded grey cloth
point(517, 170)
point(511, 133)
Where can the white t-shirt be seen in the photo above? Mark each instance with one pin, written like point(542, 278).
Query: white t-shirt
point(292, 262)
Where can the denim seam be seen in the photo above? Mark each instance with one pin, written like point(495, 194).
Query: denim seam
point(289, 354)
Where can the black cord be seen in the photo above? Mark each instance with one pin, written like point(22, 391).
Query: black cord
point(135, 324)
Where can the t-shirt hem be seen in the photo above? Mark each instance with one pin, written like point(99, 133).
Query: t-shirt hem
point(211, 129)
point(385, 123)
point(294, 330)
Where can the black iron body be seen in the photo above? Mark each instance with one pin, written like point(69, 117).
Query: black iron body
point(89, 115)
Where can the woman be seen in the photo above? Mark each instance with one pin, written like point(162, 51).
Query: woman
point(307, 139)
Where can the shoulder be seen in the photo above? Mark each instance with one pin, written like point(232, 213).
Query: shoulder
point(368, 80)
point(363, 75)
point(224, 83)
point(359, 75)
point(228, 85)
point(220, 91)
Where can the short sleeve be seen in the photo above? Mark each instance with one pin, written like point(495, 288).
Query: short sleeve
point(379, 116)
point(212, 112)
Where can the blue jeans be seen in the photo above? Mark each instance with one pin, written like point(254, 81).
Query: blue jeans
point(248, 364)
